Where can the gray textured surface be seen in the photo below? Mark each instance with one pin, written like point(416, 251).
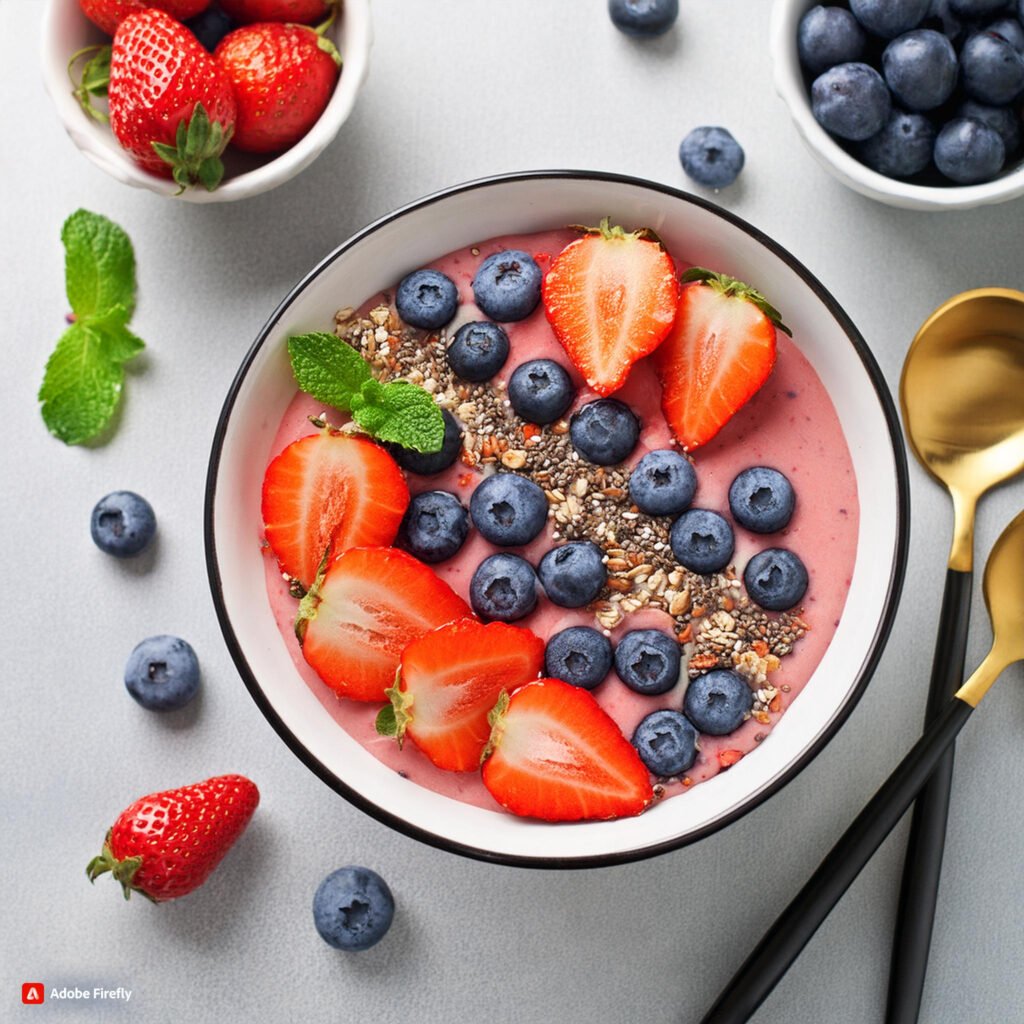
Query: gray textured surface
point(457, 89)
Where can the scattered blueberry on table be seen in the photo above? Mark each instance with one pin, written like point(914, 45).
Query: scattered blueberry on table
point(643, 18)
point(123, 524)
point(909, 87)
point(434, 527)
point(711, 156)
point(353, 908)
point(540, 391)
point(580, 655)
point(162, 673)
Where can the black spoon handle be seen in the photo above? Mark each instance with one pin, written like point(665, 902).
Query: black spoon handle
point(922, 867)
point(793, 929)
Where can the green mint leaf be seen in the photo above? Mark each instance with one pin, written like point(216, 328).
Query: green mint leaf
point(81, 385)
point(402, 413)
point(327, 368)
point(118, 343)
point(99, 265)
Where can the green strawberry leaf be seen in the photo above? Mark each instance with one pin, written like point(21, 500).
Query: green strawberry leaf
point(385, 723)
point(99, 265)
point(195, 155)
point(731, 287)
point(81, 385)
point(400, 412)
point(328, 368)
point(94, 79)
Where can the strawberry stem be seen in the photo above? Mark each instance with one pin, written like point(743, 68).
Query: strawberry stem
point(496, 720)
point(615, 232)
point(396, 716)
point(195, 156)
point(94, 80)
point(323, 42)
point(731, 287)
point(122, 871)
point(311, 600)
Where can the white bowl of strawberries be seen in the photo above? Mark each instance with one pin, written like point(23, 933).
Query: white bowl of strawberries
point(567, 513)
point(183, 97)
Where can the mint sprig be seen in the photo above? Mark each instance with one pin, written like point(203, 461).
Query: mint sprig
point(84, 375)
point(334, 373)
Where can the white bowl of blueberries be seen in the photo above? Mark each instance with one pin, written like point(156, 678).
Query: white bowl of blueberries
point(915, 103)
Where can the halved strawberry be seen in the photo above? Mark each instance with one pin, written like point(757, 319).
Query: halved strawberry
point(718, 355)
point(450, 679)
point(611, 297)
point(555, 754)
point(330, 489)
point(359, 616)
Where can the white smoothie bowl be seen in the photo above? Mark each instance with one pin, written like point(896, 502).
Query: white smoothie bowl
point(66, 30)
point(376, 258)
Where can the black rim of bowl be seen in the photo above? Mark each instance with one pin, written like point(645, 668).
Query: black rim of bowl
point(864, 674)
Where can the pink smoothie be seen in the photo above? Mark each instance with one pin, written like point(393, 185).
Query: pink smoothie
point(789, 424)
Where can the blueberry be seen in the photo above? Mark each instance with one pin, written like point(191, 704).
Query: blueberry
point(992, 70)
point(210, 27)
point(762, 499)
point(431, 463)
point(604, 431)
point(711, 157)
point(718, 701)
point(977, 8)
point(353, 908)
point(889, 18)
point(504, 587)
point(507, 285)
point(648, 661)
point(162, 673)
point(902, 148)
point(508, 509)
point(666, 742)
point(968, 151)
point(702, 541)
point(662, 483)
point(122, 524)
point(775, 579)
point(579, 655)
point(828, 36)
point(1011, 30)
point(573, 574)
point(920, 68)
point(540, 391)
point(1003, 119)
point(643, 18)
point(478, 351)
point(427, 299)
point(434, 527)
point(851, 101)
point(944, 19)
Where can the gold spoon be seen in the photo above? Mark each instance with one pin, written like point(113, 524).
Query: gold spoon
point(962, 395)
point(1004, 597)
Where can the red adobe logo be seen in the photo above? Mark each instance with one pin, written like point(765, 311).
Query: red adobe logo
point(33, 993)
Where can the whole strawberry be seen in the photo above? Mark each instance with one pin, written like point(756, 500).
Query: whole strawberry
point(245, 12)
point(283, 77)
point(108, 14)
point(171, 106)
point(166, 844)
